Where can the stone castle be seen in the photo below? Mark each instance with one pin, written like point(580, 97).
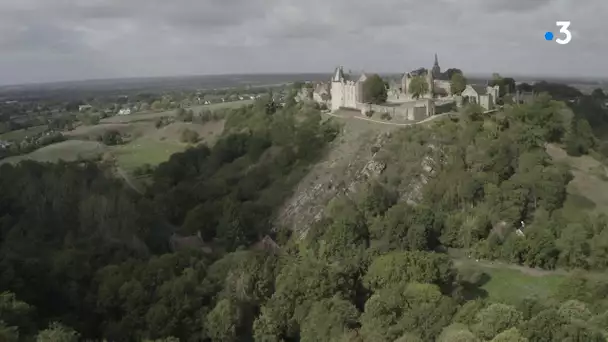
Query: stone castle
point(348, 93)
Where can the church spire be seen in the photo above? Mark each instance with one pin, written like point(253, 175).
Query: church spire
point(436, 71)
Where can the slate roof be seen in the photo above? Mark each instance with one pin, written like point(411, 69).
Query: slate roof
point(480, 89)
point(418, 72)
point(338, 75)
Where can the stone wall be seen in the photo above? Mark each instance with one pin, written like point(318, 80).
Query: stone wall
point(412, 110)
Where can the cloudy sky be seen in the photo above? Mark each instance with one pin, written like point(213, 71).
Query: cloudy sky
point(52, 40)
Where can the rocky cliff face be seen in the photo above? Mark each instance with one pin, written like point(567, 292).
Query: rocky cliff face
point(357, 156)
point(349, 162)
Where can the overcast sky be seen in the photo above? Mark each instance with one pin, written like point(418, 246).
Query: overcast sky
point(52, 40)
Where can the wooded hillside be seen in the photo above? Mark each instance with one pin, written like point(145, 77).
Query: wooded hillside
point(82, 255)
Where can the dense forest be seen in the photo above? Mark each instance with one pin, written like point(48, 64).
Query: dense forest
point(83, 257)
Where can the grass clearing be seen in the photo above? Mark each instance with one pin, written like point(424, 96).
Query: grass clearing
point(159, 144)
point(510, 284)
point(20, 134)
point(149, 146)
point(589, 188)
point(144, 151)
point(70, 150)
point(136, 129)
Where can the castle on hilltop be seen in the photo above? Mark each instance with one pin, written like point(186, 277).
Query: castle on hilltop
point(346, 92)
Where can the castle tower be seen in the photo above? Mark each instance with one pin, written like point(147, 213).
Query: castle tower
point(338, 82)
point(338, 75)
point(359, 97)
point(436, 71)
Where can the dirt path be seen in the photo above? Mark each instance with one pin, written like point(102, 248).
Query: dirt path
point(124, 175)
point(434, 117)
point(460, 261)
point(535, 272)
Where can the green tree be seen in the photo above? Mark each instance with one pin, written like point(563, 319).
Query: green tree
point(510, 335)
point(598, 93)
point(408, 337)
point(184, 115)
point(495, 319)
point(574, 311)
point(457, 84)
point(374, 90)
point(420, 309)
point(189, 136)
point(403, 267)
point(15, 314)
point(223, 321)
point(580, 138)
point(111, 138)
point(328, 319)
point(56, 332)
point(574, 246)
point(418, 86)
point(8, 334)
point(543, 327)
point(451, 72)
point(457, 333)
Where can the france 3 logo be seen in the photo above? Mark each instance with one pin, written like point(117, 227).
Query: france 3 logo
point(563, 25)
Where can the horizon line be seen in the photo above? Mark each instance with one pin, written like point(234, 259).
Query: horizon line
point(177, 76)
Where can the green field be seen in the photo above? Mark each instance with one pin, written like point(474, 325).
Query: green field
point(511, 284)
point(22, 133)
point(69, 150)
point(144, 151)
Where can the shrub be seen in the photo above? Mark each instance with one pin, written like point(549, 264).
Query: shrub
point(189, 136)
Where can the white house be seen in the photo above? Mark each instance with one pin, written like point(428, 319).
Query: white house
point(485, 96)
point(83, 108)
point(125, 111)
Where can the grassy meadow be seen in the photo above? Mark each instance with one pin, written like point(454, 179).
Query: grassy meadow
point(69, 150)
point(511, 284)
point(589, 187)
point(147, 145)
point(20, 134)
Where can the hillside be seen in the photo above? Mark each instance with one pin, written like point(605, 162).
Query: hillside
point(459, 229)
point(589, 187)
point(339, 171)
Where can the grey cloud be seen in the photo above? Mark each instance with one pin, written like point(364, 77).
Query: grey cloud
point(516, 5)
point(107, 38)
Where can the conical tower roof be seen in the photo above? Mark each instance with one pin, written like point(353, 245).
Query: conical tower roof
point(339, 75)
